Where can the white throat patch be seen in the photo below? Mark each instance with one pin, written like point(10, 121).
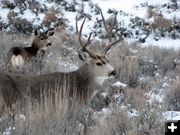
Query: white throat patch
point(43, 48)
point(100, 80)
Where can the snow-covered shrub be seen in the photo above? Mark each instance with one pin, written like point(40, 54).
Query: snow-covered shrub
point(35, 7)
point(150, 12)
point(22, 25)
point(7, 4)
point(175, 29)
point(56, 1)
point(174, 4)
point(21, 4)
point(51, 17)
point(11, 16)
point(159, 25)
point(19, 24)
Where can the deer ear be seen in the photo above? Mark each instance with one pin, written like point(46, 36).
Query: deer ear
point(37, 32)
point(83, 56)
point(50, 32)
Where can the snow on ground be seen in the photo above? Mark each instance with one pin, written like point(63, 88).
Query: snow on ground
point(3, 14)
point(119, 85)
point(171, 115)
point(130, 8)
point(163, 43)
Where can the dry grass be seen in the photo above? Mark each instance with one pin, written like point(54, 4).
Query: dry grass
point(172, 97)
point(125, 61)
point(56, 113)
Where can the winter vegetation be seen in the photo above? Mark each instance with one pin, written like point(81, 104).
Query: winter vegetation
point(145, 91)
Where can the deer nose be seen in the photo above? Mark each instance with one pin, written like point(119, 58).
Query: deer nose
point(113, 73)
point(49, 44)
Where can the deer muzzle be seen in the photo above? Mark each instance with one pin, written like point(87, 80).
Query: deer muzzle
point(113, 73)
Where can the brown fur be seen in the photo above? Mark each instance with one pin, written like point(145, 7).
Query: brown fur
point(15, 87)
point(26, 52)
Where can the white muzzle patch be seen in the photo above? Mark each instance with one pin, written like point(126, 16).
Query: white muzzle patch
point(17, 61)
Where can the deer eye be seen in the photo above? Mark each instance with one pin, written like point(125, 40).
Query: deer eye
point(99, 64)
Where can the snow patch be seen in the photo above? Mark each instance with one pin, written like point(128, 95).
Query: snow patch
point(172, 115)
point(119, 85)
point(154, 98)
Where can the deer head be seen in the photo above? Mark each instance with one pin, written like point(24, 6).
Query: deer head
point(41, 39)
point(98, 64)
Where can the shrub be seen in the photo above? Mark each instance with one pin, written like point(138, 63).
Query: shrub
point(51, 17)
point(7, 4)
point(35, 7)
point(23, 26)
point(160, 23)
point(11, 16)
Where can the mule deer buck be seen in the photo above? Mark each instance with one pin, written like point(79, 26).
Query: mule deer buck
point(78, 84)
point(20, 55)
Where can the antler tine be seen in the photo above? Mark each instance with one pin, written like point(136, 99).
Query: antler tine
point(77, 25)
point(104, 22)
point(112, 27)
point(80, 41)
point(110, 45)
point(109, 31)
point(88, 41)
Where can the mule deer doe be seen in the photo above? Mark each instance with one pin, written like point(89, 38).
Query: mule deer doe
point(20, 55)
point(78, 84)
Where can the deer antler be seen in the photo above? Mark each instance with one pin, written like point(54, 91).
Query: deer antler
point(87, 42)
point(109, 32)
